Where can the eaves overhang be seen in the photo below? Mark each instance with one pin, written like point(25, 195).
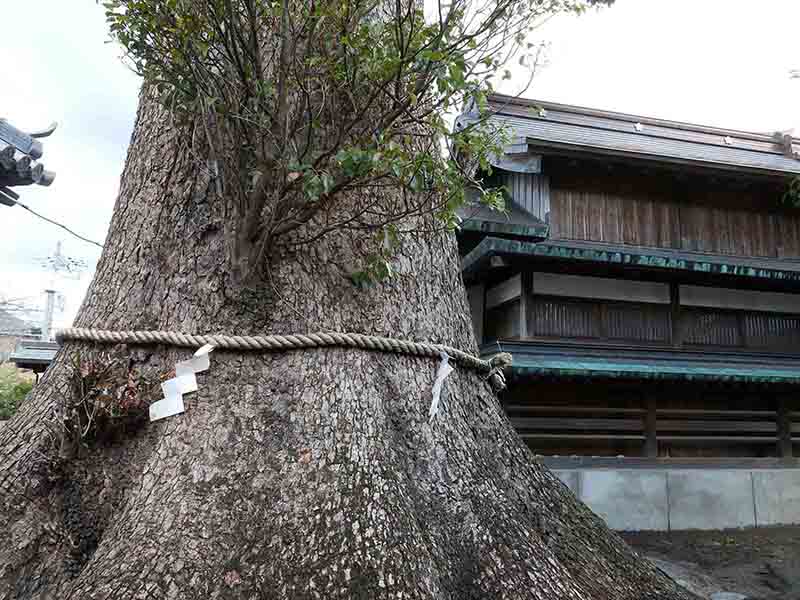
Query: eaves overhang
point(536, 359)
point(479, 259)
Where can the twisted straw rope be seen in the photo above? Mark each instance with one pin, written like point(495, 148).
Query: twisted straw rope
point(287, 342)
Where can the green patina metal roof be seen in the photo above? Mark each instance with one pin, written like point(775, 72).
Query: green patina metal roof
point(510, 229)
point(535, 359)
point(515, 221)
point(637, 256)
point(34, 354)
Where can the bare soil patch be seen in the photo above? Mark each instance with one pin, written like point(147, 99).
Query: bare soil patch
point(762, 564)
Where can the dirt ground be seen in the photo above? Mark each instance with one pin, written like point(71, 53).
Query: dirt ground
point(761, 564)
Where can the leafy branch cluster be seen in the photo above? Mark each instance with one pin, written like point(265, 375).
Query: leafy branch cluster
point(330, 114)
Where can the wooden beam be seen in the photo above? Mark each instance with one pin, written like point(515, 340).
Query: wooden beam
point(711, 439)
point(675, 314)
point(503, 292)
point(581, 436)
point(593, 410)
point(651, 444)
point(525, 302)
point(784, 428)
point(717, 426)
point(591, 424)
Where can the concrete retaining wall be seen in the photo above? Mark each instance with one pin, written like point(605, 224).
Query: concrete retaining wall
point(671, 499)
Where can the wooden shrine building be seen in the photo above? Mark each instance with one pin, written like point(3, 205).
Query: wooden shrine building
point(646, 278)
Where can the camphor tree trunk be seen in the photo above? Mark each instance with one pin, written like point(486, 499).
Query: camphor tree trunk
point(304, 474)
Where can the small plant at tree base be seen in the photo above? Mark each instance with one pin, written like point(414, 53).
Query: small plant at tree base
point(109, 399)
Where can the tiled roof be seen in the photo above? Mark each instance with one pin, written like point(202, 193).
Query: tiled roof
point(30, 352)
point(548, 127)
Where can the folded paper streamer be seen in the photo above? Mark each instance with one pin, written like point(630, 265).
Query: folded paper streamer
point(444, 370)
point(184, 382)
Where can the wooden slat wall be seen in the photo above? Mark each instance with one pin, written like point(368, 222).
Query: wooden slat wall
point(603, 320)
point(531, 191)
point(645, 220)
point(752, 330)
point(649, 323)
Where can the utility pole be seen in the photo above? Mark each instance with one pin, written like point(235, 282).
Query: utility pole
point(47, 321)
point(60, 266)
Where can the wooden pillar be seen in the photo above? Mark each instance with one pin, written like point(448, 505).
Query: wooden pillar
point(784, 428)
point(651, 441)
point(675, 314)
point(525, 302)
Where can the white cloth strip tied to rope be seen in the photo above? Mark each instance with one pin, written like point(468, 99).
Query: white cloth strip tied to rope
point(493, 368)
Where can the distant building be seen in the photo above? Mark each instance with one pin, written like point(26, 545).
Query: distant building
point(12, 330)
point(646, 278)
point(34, 355)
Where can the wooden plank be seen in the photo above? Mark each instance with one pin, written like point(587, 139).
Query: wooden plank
point(772, 240)
point(785, 427)
point(717, 426)
point(556, 214)
point(722, 227)
point(589, 410)
point(759, 241)
point(591, 424)
point(596, 210)
point(704, 229)
point(675, 315)
point(580, 207)
point(675, 222)
point(701, 439)
point(503, 292)
point(580, 436)
point(612, 227)
point(701, 412)
point(651, 444)
point(664, 224)
point(650, 225)
point(630, 222)
point(746, 232)
point(787, 236)
point(525, 303)
point(687, 223)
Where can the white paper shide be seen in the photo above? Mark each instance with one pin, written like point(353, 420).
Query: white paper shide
point(184, 382)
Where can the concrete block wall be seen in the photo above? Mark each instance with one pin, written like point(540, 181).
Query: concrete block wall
point(672, 499)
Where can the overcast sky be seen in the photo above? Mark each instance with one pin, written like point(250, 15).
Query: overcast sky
point(715, 62)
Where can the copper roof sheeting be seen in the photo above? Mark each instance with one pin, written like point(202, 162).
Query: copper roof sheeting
point(553, 128)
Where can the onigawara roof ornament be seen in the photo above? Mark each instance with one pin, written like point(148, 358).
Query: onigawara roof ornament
point(19, 153)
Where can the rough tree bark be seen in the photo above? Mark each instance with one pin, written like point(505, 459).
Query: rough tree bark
point(307, 474)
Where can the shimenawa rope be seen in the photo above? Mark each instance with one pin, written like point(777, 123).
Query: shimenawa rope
point(493, 368)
